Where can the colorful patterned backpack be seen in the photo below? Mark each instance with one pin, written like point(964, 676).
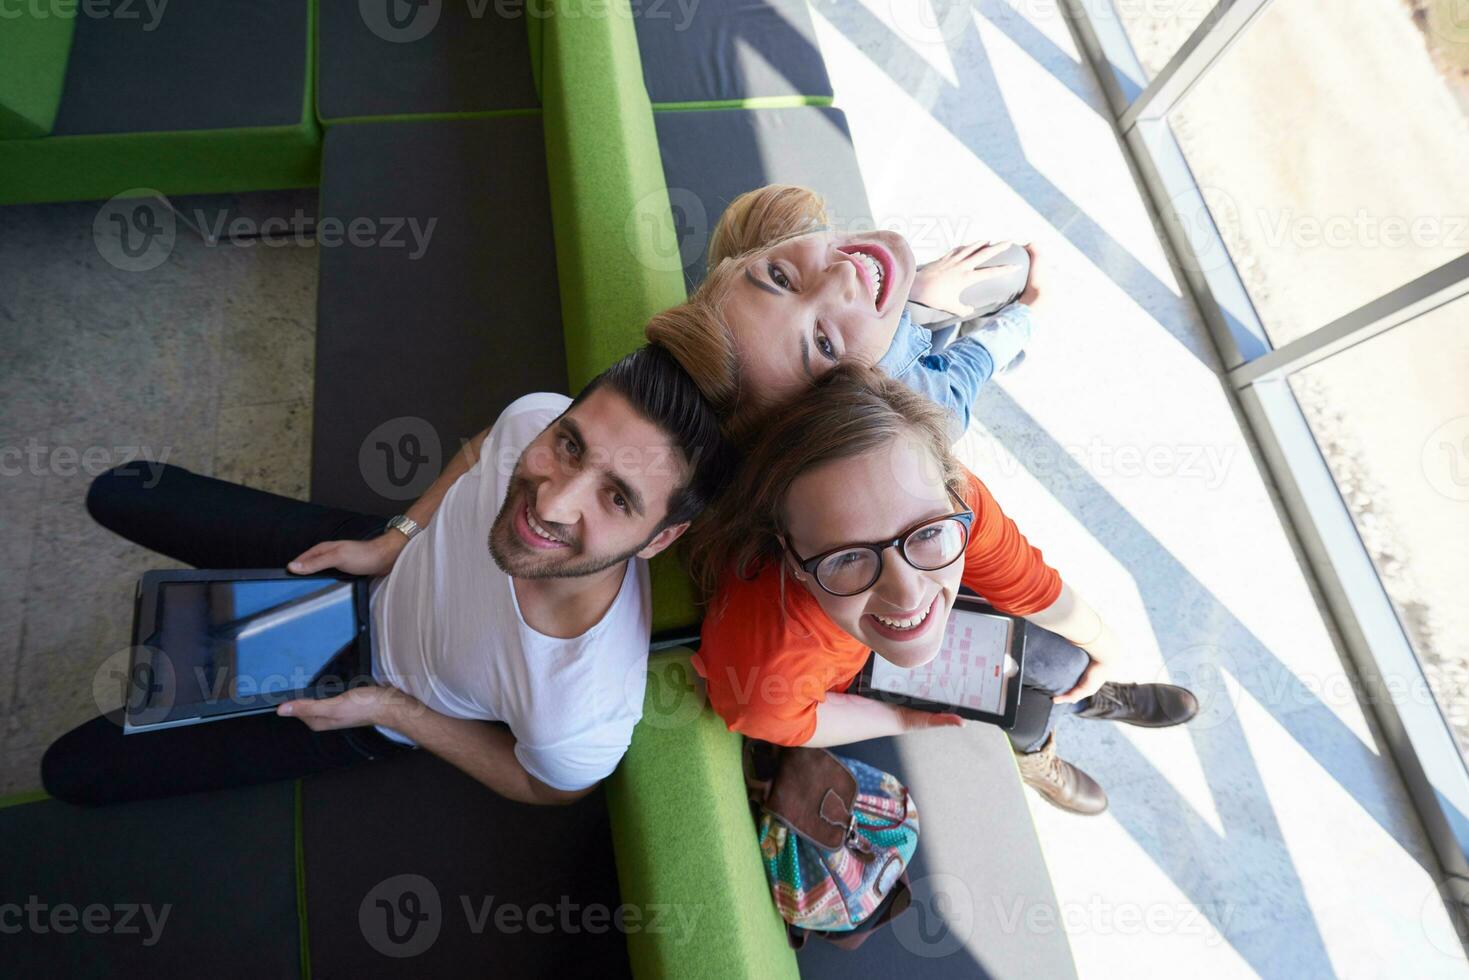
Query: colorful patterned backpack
point(836, 836)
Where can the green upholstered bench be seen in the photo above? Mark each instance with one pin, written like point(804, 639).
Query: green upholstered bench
point(679, 827)
point(206, 98)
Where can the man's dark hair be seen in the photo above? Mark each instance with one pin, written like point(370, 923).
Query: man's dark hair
point(654, 384)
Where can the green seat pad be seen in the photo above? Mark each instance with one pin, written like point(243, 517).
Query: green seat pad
point(34, 47)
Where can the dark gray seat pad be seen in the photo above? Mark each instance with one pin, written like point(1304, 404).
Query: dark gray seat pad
point(422, 353)
point(223, 863)
point(200, 66)
point(708, 50)
point(712, 156)
point(382, 57)
point(462, 845)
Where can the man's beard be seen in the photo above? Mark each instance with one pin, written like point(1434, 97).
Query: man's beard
point(511, 554)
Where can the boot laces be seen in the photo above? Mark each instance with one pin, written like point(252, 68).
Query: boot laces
point(1112, 698)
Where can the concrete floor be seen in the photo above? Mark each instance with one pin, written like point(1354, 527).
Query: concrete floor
point(204, 361)
point(1271, 837)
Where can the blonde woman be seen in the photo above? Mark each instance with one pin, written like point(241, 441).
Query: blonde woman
point(851, 528)
point(787, 298)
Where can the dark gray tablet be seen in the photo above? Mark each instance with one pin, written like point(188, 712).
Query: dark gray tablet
point(976, 673)
point(219, 644)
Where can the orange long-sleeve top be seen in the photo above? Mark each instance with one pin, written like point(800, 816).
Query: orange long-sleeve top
point(770, 659)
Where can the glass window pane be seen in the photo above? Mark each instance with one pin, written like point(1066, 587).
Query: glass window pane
point(1391, 416)
point(1158, 28)
point(1331, 143)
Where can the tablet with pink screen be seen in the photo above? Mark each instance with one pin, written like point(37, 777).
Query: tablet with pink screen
point(976, 673)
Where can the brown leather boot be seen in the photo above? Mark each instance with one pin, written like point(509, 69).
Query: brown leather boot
point(1059, 782)
point(1145, 705)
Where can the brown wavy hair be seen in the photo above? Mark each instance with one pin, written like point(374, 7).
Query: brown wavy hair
point(696, 332)
point(852, 410)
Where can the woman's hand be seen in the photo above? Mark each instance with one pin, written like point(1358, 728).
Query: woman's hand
point(1035, 284)
point(942, 283)
point(1104, 654)
point(374, 557)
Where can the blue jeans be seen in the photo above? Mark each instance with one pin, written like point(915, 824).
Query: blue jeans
point(1052, 665)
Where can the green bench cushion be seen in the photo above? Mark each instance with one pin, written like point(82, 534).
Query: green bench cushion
point(204, 116)
point(34, 47)
point(197, 66)
point(683, 837)
point(616, 254)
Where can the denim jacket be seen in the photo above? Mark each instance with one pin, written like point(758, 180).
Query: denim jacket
point(953, 375)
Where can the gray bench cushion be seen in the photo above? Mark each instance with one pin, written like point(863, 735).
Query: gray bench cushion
point(365, 828)
point(223, 863)
point(198, 66)
point(709, 50)
point(382, 57)
point(712, 156)
point(417, 352)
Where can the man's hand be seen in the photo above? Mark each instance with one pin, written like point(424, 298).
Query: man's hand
point(941, 283)
point(370, 704)
point(373, 557)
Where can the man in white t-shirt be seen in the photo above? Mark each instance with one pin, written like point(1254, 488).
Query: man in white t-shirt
point(524, 597)
point(510, 606)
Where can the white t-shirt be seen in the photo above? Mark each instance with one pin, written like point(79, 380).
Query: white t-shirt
point(448, 630)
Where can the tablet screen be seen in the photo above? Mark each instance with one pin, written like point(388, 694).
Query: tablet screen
point(971, 669)
point(238, 639)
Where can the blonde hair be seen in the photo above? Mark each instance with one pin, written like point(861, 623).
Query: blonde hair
point(851, 411)
point(696, 333)
point(758, 219)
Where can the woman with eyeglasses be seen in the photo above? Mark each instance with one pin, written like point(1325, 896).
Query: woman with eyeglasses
point(850, 528)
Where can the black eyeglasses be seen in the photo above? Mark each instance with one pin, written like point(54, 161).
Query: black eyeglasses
point(855, 568)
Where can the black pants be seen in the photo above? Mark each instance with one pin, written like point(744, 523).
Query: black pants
point(206, 523)
point(1053, 665)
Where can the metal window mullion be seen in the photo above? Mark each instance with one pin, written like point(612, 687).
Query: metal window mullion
point(1445, 284)
point(1220, 29)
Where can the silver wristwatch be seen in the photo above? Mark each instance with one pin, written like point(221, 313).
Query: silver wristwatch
point(406, 524)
